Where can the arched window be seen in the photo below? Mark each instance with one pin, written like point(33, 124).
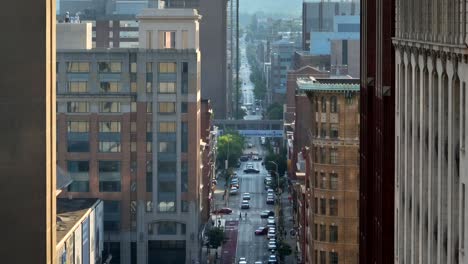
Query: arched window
point(324, 104)
point(333, 104)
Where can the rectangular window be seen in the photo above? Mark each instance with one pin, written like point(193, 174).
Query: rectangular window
point(167, 228)
point(167, 87)
point(77, 107)
point(323, 181)
point(149, 67)
point(168, 39)
point(316, 179)
point(109, 176)
point(184, 39)
point(167, 127)
point(109, 127)
point(133, 127)
point(184, 176)
point(167, 195)
point(323, 131)
point(149, 107)
point(149, 87)
point(185, 206)
point(149, 206)
point(334, 131)
point(323, 232)
point(111, 215)
point(113, 67)
point(333, 258)
point(149, 39)
point(333, 207)
point(109, 87)
point(133, 107)
point(77, 67)
point(184, 79)
point(333, 181)
point(184, 137)
point(109, 146)
point(166, 107)
point(333, 156)
point(323, 155)
point(323, 257)
point(78, 87)
point(78, 126)
point(323, 206)
point(167, 67)
point(184, 107)
point(149, 147)
point(133, 67)
point(133, 87)
point(333, 234)
point(149, 176)
point(109, 107)
point(316, 205)
point(79, 173)
point(167, 147)
point(315, 232)
point(133, 146)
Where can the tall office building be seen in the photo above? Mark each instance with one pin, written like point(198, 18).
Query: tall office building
point(377, 134)
point(333, 186)
point(282, 52)
point(431, 64)
point(115, 25)
point(319, 16)
point(129, 133)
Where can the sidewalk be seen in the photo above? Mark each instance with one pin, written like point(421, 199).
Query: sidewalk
point(288, 226)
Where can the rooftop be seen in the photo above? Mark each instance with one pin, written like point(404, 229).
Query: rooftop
point(331, 85)
point(70, 212)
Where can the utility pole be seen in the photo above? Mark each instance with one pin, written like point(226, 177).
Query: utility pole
point(237, 59)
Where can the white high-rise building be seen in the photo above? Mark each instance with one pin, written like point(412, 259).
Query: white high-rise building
point(431, 170)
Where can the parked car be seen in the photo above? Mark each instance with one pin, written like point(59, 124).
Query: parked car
point(224, 210)
point(246, 196)
point(270, 201)
point(263, 230)
point(242, 261)
point(233, 190)
point(271, 222)
point(266, 214)
point(244, 158)
point(258, 262)
point(245, 204)
point(271, 233)
point(272, 245)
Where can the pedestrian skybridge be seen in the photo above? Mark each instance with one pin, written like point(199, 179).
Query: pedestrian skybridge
point(252, 128)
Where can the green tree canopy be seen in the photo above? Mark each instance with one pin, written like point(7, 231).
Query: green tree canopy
point(216, 237)
point(274, 112)
point(230, 145)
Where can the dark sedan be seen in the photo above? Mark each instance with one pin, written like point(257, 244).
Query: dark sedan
point(223, 211)
point(266, 214)
point(261, 231)
point(251, 170)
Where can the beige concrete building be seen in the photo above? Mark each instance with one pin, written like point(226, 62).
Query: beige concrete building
point(129, 134)
point(333, 218)
point(431, 68)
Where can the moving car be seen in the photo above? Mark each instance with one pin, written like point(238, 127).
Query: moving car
point(244, 158)
point(266, 214)
point(224, 210)
point(258, 262)
point(233, 190)
point(272, 259)
point(242, 261)
point(251, 170)
point(245, 204)
point(271, 233)
point(250, 145)
point(263, 230)
point(246, 196)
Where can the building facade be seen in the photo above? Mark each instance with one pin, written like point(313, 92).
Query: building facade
point(431, 69)
point(128, 123)
point(282, 52)
point(333, 179)
point(377, 134)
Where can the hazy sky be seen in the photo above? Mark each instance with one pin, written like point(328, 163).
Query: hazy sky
point(271, 6)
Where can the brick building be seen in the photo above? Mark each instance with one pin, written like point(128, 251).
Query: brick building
point(332, 223)
point(128, 132)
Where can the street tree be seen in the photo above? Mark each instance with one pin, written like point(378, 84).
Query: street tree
point(230, 147)
point(216, 237)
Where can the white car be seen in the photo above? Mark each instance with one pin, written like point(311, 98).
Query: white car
point(246, 196)
point(271, 233)
point(245, 204)
point(242, 261)
point(233, 190)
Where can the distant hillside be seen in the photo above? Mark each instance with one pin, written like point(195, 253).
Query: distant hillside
point(289, 7)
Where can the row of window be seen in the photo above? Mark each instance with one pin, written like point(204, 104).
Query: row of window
point(115, 126)
point(333, 206)
point(110, 179)
point(323, 104)
point(115, 146)
point(116, 67)
point(115, 87)
point(325, 183)
point(323, 131)
point(114, 107)
point(321, 234)
point(321, 156)
point(332, 257)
